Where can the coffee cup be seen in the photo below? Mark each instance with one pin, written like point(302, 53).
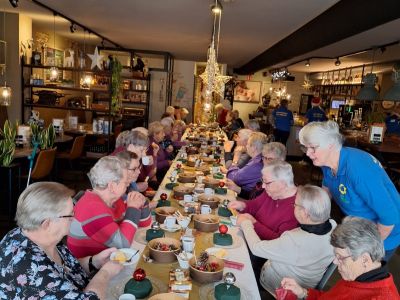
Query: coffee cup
point(199, 178)
point(127, 297)
point(188, 198)
point(183, 259)
point(147, 160)
point(184, 222)
point(188, 243)
point(233, 220)
point(205, 209)
point(209, 191)
point(169, 222)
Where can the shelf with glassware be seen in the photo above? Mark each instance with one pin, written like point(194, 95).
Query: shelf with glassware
point(136, 97)
point(345, 90)
point(72, 89)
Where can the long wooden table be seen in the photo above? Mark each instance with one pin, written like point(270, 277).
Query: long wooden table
point(159, 273)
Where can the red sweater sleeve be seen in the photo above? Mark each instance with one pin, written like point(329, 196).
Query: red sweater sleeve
point(266, 233)
point(314, 294)
point(252, 206)
point(145, 215)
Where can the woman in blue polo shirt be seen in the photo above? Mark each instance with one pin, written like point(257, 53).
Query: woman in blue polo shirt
point(355, 179)
point(283, 120)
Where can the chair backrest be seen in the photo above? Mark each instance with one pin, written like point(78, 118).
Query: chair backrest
point(328, 273)
point(44, 164)
point(77, 147)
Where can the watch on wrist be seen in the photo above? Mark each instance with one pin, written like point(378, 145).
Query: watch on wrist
point(92, 268)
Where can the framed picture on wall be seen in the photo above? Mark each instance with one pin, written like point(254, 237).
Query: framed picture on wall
point(247, 91)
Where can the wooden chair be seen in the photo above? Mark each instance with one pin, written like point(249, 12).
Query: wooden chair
point(44, 164)
point(76, 150)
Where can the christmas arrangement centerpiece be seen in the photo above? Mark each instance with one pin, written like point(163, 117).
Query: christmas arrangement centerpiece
point(222, 238)
point(163, 249)
point(180, 191)
point(163, 200)
point(221, 190)
point(211, 200)
point(139, 285)
point(154, 232)
point(187, 177)
point(206, 222)
point(227, 290)
point(206, 268)
point(163, 212)
point(211, 182)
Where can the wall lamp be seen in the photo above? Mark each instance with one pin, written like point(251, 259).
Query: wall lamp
point(337, 62)
point(307, 64)
point(14, 3)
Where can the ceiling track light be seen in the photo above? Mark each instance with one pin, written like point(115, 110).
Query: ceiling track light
point(72, 28)
point(14, 3)
point(307, 64)
point(337, 62)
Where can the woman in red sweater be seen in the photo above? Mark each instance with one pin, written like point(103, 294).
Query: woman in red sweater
point(358, 250)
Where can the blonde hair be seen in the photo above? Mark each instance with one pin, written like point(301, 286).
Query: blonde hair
point(155, 127)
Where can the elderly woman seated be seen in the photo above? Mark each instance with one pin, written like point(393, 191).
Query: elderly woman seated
point(272, 212)
point(358, 250)
point(33, 262)
point(235, 151)
point(302, 253)
point(274, 151)
point(102, 219)
point(243, 180)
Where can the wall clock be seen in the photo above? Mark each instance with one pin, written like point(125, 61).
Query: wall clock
point(388, 104)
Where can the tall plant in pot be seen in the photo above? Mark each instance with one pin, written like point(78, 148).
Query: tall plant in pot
point(7, 144)
point(47, 138)
point(116, 68)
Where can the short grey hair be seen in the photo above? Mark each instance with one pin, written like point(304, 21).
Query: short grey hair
point(257, 140)
point(321, 133)
point(41, 201)
point(142, 130)
point(253, 125)
point(359, 236)
point(155, 127)
point(315, 201)
point(278, 150)
point(126, 157)
point(107, 169)
point(129, 137)
point(280, 170)
point(245, 133)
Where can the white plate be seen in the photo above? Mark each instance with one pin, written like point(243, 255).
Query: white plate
point(128, 254)
point(174, 228)
point(206, 291)
point(214, 250)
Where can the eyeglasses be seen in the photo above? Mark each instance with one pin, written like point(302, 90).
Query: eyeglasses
point(67, 216)
point(311, 148)
point(267, 183)
point(297, 205)
point(266, 158)
point(340, 258)
point(135, 169)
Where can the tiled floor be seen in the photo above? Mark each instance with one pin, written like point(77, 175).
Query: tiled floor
point(304, 173)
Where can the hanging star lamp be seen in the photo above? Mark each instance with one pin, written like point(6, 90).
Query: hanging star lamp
point(5, 91)
point(212, 78)
point(54, 70)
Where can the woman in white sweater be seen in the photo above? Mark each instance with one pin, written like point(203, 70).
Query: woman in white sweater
point(302, 253)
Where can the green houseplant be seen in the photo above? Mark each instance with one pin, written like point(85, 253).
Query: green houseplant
point(7, 144)
point(116, 68)
point(43, 137)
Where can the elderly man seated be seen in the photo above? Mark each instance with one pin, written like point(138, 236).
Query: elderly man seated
point(302, 253)
point(243, 180)
point(102, 219)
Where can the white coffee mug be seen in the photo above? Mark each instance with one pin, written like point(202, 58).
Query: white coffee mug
point(127, 297)
point(147, 160)
point(170, 221)
point(188, 244)
point(209, 191)
point(188, 198)
point(199, 178)
point(215, 169)
point(233, 220)
point(205, 209)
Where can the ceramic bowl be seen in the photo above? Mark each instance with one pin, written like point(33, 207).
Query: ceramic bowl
point(204, 276)
point(163, 212)
point(211, 182)
point(211, 200)
point(187, 177)
point(181, 191)
point(206, 223)
point(163, 256)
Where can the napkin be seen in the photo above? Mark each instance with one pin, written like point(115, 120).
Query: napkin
point(233, 264)
point(283, 294)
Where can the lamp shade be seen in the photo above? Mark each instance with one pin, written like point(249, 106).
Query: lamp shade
point(368, 92)
point(393, 94)
point(5, 95)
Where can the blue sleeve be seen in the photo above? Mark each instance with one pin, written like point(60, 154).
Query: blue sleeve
point(308, 114)
point(291, 118)
point(376, 189)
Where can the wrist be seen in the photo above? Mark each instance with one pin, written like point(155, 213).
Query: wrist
point(304, 294)
point(92, 265)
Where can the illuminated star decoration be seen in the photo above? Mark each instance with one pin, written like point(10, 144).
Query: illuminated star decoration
point(307, 83)
point(211, 77)
point(96, 59)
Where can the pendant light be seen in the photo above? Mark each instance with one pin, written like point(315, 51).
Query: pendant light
point(5, 91)
point(87, 79)
point(54, 70)
point(368, 92)
point(393, 94)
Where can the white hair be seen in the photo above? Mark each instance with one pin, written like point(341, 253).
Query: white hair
point(142, 130)
point(41, 201)
point(321, 134)
point(253, 125)
point(280, 170)
point(167, 121)
point(245, 133)
point(155, 127)
point(130, 137)
point(315, 201)
point(107, 169)
point(257, 140)
point(278, 150)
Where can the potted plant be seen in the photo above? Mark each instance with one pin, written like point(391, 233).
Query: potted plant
point(116, 69)
point(7, 144)
point(47, 138)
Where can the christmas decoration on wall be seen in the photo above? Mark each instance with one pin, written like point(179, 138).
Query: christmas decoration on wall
point(96, 59)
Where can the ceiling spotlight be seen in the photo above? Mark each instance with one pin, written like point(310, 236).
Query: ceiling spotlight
point(217, 8)
point(307, 64)
point(337, 62)
point(14, 3)
point(72, 28)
